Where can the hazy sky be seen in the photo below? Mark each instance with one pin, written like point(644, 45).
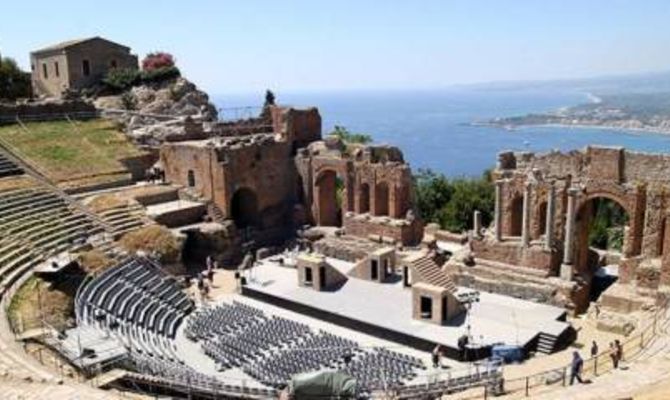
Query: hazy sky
point(245, 45)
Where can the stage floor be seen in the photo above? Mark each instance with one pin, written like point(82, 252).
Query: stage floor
point(494, 319)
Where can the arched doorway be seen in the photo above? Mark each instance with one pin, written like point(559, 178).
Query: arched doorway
point(541, 219)
point(190, 178)
point(600, 230)
point(364, 198)
point(516, 216)
point(330, 195)
point(382, 199)
point(244, 209)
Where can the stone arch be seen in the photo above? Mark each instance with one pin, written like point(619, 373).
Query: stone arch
point(244, 208)
point(632, 201)
point(516, 216)
point(329, 209)
point(586, 257)
point(382, 199)
point(363, 198)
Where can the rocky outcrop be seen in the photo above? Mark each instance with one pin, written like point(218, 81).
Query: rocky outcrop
point(153, 113)
point(172, 98)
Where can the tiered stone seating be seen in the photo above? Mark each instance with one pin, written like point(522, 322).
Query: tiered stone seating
point(36, 223)
point(8, 167)
point(124, 218)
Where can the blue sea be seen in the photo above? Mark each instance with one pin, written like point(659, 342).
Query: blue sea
point(433, 127)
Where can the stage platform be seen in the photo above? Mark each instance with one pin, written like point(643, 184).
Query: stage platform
point(384, 310)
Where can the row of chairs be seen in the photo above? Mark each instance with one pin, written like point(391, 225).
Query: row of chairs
point(272, 349)
point(210, 322)
point(138, 293)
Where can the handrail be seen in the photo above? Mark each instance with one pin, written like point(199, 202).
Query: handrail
point(633, 346)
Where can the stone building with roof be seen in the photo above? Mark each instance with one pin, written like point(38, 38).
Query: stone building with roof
point(76, 64)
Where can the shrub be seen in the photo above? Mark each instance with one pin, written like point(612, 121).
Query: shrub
point(128, 101)
point(349, 137)
point(160, 74)
point(157, 60)
point(120, 79)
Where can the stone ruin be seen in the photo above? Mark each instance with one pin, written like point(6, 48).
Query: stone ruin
point(538, 244)
point(267, 177)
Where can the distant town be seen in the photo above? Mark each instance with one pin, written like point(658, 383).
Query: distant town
point(648, 112)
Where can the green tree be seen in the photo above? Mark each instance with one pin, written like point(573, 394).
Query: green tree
point(14, 83)
point(606, 229)
point(349, 137)
point(451, 204)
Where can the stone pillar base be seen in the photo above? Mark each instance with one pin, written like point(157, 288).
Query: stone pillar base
point(566, 272)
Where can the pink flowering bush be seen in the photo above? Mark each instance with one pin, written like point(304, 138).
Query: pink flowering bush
point(157, 60)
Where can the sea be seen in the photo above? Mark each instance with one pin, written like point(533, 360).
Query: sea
point(437, 130)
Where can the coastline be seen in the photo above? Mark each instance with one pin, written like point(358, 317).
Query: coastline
point(613, 128)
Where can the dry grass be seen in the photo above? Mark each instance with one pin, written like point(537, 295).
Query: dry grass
point(106, 202)
point(15, 182)
point(37, 299)
point(94, 261)
point(153, 239)
point(68, 152)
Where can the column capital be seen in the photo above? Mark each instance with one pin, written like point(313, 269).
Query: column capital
point(499, 182)
point(573, 191)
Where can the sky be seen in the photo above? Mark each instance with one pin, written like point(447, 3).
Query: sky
point(311, 45)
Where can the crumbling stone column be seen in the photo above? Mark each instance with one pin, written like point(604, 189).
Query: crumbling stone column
point(568, 247)
point(477, 223)
point(497, 214)
point(525, 219)
point(551, 211)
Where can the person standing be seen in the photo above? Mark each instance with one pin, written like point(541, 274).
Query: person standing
point(594, 349)
point(618, 350)
point(613, 355)
point(436, 356)
point(576, 368)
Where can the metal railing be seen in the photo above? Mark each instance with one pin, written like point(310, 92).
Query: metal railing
point(598, 365)
point(20, 118)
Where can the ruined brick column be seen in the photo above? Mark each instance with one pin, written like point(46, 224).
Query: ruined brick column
point(497, 214)
point(525, 218)
point(477, 223)
point(551, 211)
point(568, 247)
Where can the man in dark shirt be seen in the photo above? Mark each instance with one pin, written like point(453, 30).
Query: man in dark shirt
point(576, 368)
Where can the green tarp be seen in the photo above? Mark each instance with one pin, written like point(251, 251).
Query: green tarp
point(323, 385)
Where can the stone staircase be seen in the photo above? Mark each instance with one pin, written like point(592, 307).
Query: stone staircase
point(546, 343)
point(431, 273)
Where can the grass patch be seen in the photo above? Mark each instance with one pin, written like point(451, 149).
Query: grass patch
point(71, 152)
